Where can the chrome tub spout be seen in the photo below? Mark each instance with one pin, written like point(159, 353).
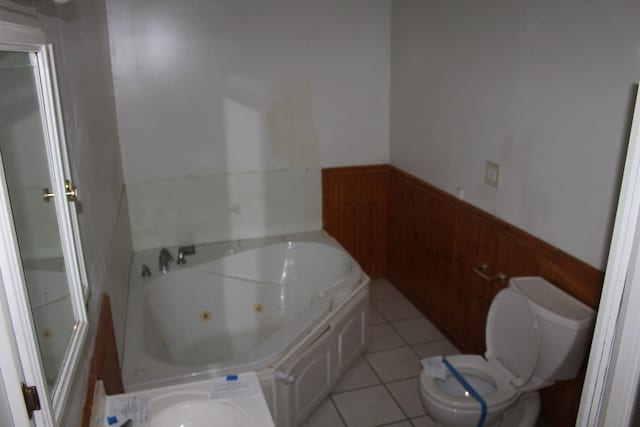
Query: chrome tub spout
point(163, 260)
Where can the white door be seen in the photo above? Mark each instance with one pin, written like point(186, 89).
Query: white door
point(42, 313)
point(610, 387)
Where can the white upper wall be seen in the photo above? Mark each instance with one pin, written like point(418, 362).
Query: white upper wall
point(228, 109)
point(220, 86)
point(543, 88)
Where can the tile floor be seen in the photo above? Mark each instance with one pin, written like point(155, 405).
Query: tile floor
point(381, 388)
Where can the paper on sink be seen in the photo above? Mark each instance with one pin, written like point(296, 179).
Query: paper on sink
point(134, 408)
point(434, 367)
point(233, 386)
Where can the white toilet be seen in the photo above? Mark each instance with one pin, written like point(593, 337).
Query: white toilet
point(536, 334)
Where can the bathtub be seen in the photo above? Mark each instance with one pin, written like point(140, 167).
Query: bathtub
point(294, 312)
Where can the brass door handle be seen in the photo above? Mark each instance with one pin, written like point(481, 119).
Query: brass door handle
point(71, 191)
point(483, 271)
point(46, 195)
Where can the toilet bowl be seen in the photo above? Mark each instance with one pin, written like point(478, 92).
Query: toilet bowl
point(535, 334)
point(504, 407)
point(524, 412)
point(447, 401)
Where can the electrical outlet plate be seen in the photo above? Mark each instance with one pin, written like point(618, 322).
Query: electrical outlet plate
point(492, 174)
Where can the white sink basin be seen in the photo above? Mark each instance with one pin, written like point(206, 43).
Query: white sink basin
point(203, 413)
point(228, 401)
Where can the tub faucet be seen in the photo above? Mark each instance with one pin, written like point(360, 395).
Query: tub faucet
point(145, 270)
point(183, 251)
point(163, 260)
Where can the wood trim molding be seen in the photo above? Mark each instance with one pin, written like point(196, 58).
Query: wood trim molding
point(104, 363)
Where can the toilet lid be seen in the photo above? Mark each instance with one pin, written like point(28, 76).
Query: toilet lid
point(512, 335)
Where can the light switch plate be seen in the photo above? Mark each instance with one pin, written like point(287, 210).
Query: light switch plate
point(492, 174)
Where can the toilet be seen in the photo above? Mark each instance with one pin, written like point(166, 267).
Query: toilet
point(536, 335)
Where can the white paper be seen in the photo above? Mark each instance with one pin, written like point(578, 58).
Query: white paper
point(245, 386)
point(434, 367)
point(134, 408)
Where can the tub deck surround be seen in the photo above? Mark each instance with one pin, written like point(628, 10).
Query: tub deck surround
point(382, 387)
point(295, 311)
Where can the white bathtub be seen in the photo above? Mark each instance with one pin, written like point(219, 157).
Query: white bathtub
point(262, 309)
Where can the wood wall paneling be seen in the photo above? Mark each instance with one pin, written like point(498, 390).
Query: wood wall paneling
point(354, 212)
point(460, 237)
point(104, 363)
point(475, 242)
point(431, 241)
point(420, 230)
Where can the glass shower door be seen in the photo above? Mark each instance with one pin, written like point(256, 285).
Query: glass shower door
point(26, 171)
point(42, 269)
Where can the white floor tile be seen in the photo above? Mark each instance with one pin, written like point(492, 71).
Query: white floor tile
point(425, 421)
point(397, 364)
point(400, 424)
point(380, 289)
point(358, 376)
point(435, 348)
point(407, 394)
point(383, 337)
point(396, 309)
point(325, 415)
point(416, 331)
point(368, 407)
point(375, 318)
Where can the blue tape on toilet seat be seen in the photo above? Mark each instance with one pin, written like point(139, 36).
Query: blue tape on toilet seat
point(458, 376)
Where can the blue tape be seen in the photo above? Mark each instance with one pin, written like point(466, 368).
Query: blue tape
point(232, 378)
point(112, 420)
point(458, 376)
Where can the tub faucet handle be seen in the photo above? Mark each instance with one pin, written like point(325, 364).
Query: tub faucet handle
point(146, 272)
point(163, 260)
point(184, 251)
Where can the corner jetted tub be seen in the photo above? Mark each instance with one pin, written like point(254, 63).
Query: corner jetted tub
point(294, 312)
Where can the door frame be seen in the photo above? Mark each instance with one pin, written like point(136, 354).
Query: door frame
point(23, 364)
point(608, 394)
point(11, 372)
point(20, 364)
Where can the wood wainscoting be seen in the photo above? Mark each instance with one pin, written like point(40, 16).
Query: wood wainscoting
point(432, 243)
point(104, 363)
point(355, 204)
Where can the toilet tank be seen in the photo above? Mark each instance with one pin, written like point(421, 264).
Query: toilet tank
point(564, 328)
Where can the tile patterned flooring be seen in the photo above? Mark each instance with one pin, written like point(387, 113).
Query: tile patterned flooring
point(381, 388)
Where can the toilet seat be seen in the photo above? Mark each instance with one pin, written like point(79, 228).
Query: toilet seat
point(509, 362)
point(476, 366)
